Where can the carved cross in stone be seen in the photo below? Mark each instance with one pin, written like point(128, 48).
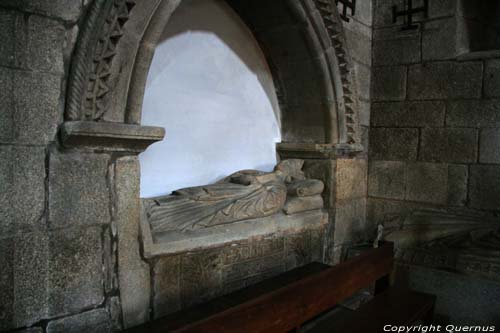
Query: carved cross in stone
point(409, 12)
point(347, 4)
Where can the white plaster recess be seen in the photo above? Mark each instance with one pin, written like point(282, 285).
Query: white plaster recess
point(210, 87)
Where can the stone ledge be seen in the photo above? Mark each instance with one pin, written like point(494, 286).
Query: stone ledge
point(479, 55)
point(175, 242)
point(109, 136)
point(316, 150)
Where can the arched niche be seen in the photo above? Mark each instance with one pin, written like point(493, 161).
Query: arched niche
point(210, 87)
point(302, 40)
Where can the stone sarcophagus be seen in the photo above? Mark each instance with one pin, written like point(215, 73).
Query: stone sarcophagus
point(244, 205)
point(465, 244)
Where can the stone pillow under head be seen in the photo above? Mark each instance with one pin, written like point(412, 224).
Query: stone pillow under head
point(302, 204)
point(305, 188)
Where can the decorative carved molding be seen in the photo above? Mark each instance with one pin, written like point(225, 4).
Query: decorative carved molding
point(329, 15)
point(103, 71)
point(89, 83)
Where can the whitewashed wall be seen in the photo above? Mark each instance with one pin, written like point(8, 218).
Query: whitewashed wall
point(210, 87)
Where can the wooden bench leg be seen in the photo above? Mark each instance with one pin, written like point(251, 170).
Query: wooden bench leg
point(429, 316)
point(382, 284)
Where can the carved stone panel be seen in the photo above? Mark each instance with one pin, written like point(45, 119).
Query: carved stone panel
point(200, 278)
point(167, 293)
point(298, 250)
point(187, 279)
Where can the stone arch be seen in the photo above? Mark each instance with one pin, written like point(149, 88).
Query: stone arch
point(303, 42)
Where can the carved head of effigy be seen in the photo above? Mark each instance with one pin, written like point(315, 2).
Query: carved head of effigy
point(291, 170)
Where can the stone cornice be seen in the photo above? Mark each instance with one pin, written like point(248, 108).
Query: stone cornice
point(109, 136)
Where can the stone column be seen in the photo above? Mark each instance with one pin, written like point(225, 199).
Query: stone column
point(344, 175)
point(127, 283)
point(133, 272)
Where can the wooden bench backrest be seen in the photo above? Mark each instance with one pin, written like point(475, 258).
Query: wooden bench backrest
point(287, 307)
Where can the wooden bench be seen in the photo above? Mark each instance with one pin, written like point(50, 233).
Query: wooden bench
point(286, 302)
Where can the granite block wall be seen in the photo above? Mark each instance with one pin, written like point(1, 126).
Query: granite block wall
point(433, 138)
point(434, 128)
point(55, 217)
